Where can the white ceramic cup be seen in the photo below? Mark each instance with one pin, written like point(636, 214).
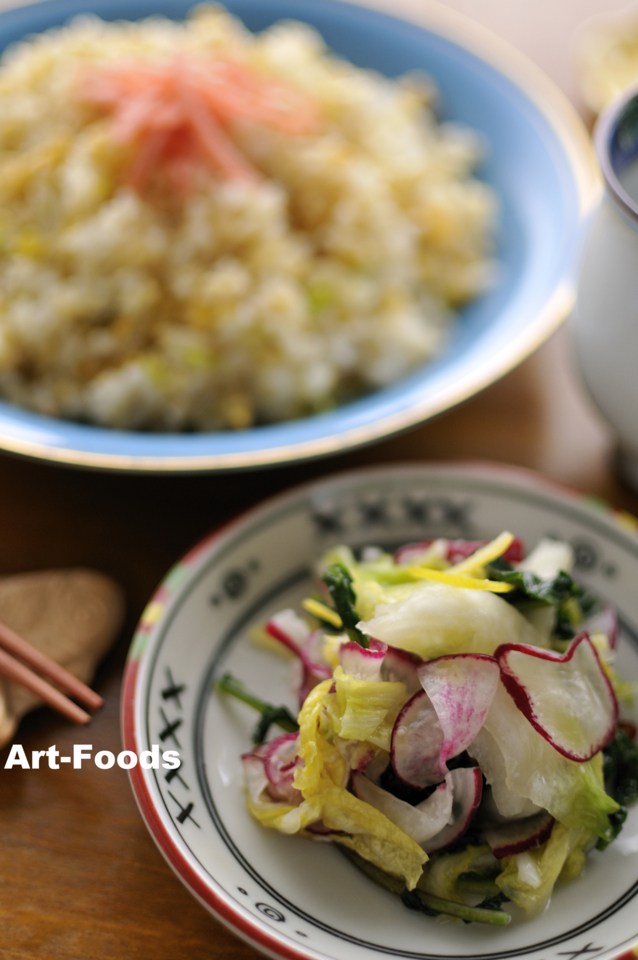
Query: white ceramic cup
point(605, 322)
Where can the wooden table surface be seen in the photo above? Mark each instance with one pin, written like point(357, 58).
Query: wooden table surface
point(79, 875)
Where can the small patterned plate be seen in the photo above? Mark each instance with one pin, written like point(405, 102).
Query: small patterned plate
point(296, 899)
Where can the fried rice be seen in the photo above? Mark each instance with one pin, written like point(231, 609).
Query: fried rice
point(233, 302)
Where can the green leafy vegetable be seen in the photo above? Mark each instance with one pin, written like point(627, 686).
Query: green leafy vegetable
point(620, 768)
point(573, 603)
point(477, 885)
point(413, 900)
point(339, 582)
point(529, 587)
point(616, 821)
point(493, 903)
point(426, 902)
point(281, 716)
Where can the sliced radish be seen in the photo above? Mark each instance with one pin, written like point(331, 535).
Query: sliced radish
point(467, 788)
point(519, 836)
point(377, 766)
point(315, 666)
point(294, 633)
point(280, 762)
point(362, 663)
point(490, 813)
point(455, 550)
point(461, 688)
point(425, 820)
point(289, 629)
point(320, 831)
point(603, 621)
point(458, 550)
point(568, 699)
point(402, 666)
point(254, 772)
point(417, 738)
point(313, 655)
point(305, 681)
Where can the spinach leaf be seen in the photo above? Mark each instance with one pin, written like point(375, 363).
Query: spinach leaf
point(528, 586)
point(427, 903)
point(339, 582)
point(494, 903)
point(616, 821)
point(412, 900)
point(573, 603)
point(620, 768)
point(269, 714)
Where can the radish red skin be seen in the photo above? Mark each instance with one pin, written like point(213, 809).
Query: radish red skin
point(463, 818)
point(312, 673)
point(524, 702)
point(280, 762)
point(532, 833)
point(605, 621)
point(285, 639)
point(365, 664)
point(458, 550)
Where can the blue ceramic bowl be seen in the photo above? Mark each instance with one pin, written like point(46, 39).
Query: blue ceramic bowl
point(539, 162)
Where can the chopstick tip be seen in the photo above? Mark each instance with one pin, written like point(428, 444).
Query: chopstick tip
point(95, 701)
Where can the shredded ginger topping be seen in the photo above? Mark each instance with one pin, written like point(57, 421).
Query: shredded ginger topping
point(178, 114)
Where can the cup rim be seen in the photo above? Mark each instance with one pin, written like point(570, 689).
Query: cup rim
point(604, 131)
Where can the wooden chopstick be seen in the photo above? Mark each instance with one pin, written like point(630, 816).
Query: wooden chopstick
point(17, 671)
point(48, 667)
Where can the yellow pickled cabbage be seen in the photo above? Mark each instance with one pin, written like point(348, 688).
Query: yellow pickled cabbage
point(322, 780)
point(561, 856)
point(365, 709)
point(444, 871)
point(285, 817)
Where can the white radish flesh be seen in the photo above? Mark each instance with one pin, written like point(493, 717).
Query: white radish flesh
point(280, 762)
point(567, 698)
point(363, 664)
point(399, 665)
point(460, 688)
point(421, 822)
point(417, 739)
point(467, 787)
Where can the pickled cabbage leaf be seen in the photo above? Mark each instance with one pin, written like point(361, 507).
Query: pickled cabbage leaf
point(442, 872)
point(365, 709)
point(572, 792)
point(528, 878)
point(322, 780)
point(433, 619)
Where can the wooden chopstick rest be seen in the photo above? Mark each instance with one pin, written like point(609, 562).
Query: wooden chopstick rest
point(73, 616)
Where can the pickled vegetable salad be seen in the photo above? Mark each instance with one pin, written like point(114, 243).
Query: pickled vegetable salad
point(458, 723)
